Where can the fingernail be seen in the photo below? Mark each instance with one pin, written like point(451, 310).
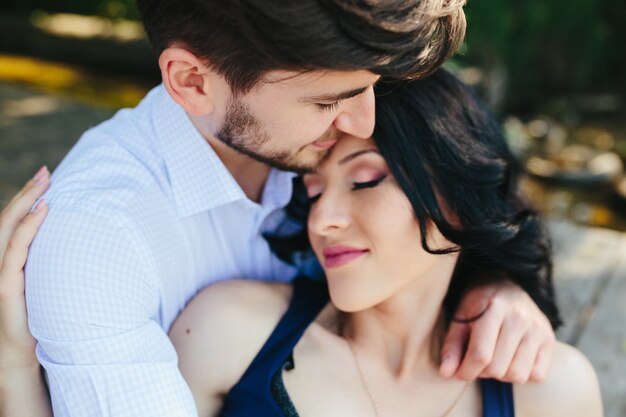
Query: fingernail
point(39, 206)
point(445, 361)
point(41, 174)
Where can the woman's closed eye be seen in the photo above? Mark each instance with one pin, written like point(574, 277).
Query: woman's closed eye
point(355, 187)
point(368, 184)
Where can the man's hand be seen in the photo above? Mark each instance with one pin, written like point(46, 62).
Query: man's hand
point(18, 225)
point(498, 332)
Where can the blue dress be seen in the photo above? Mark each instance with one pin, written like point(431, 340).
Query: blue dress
point(260, 391)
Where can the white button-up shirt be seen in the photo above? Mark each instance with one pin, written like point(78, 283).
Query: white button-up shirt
point(143, 214)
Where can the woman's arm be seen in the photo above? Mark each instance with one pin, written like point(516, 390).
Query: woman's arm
point(22, 388)
point(23, 392)
point(570, 389)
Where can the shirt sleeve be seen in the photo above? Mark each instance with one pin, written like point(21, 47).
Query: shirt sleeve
point(93, 306)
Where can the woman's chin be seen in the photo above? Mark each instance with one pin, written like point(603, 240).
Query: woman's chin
point(351, 301)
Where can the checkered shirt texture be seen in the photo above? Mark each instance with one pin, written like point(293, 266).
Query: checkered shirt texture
point(143, 214)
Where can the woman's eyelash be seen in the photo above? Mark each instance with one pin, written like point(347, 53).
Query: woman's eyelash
point(355, 186)
point(329, 107)
point(368, 184)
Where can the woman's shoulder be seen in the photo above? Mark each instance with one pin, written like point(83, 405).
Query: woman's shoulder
point(221, 330)
point(234, 299)
point(571, 388)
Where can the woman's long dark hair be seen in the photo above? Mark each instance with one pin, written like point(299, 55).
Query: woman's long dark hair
point(447, 153)
point(442, 143)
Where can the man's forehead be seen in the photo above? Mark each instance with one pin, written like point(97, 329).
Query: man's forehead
point(333, 80)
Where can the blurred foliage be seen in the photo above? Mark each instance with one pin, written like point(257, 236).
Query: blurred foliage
point(114, 9)
point(533, 49)
point(548, 47)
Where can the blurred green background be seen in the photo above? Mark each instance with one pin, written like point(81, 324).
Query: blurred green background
point(113, 9)
point(549, 48)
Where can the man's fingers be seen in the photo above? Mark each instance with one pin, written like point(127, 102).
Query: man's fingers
point(542, 363)
point(17, 248)
point(454, 346)
point(20, 205)
point(482, 343)
point(509, 338)
point(523, 361)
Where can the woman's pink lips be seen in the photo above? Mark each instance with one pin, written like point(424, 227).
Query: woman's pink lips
point(335, 259)
point(324, 145)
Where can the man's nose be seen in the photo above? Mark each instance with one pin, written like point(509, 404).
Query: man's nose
point(358, 115)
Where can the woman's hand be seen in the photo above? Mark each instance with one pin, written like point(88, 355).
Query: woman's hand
point(18, 225)
point(22, 388)
point(510, 339)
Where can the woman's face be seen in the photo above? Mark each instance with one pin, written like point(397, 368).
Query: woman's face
point(363, 229)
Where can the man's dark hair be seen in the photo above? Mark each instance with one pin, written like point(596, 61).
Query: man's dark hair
point(243, 39)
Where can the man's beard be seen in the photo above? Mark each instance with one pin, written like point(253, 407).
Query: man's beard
point(245, 134)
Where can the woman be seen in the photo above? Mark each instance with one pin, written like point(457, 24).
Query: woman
point(393, 238)
point(399, 242)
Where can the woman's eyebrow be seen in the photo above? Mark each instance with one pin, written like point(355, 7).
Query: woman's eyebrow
point(356, 155)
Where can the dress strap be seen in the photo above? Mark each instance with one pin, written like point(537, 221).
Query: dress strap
point(497, 398)
point(252, 395)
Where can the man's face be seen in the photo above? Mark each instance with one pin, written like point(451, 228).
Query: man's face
point(291, 120)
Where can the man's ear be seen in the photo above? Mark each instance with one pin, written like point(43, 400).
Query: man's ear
point(188, 80)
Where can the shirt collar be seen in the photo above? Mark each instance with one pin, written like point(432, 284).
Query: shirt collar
point(278, 189)
point(198, 177)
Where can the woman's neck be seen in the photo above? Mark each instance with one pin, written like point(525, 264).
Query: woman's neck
point(405, 331)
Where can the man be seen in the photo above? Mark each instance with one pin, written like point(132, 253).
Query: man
point(162, 200)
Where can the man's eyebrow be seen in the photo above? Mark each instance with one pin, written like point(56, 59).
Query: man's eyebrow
point(335, 97)
point(356, 155)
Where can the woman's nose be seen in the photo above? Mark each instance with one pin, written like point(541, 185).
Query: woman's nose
point(328, 216)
